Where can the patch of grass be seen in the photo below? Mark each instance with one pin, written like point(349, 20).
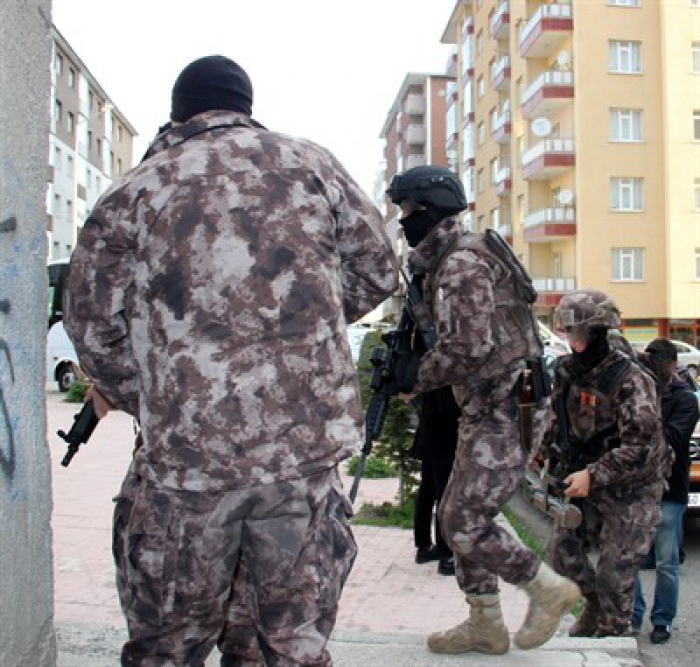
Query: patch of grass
point(76, 393)
point(385, 515)
point(375, 468)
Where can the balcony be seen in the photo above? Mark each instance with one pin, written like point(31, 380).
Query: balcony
point(500, 21)
point(503, 184)
point(547, 94)
point(549, 224)
point(415, 135)
point(506, 231)
point(501, 129)
point(414, 105)
point(500, 73)
point(452, 60)
point(548, 159)
point(548, 27)
point(415, 160)
point(551, 290)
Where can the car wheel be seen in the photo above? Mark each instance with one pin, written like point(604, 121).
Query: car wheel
point(66, 377)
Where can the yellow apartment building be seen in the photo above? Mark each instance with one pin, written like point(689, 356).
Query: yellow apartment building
point(578, 137)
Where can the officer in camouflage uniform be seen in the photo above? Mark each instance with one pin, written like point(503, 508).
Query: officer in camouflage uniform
point(485, 333)
point(614, 465)
point(209, 295)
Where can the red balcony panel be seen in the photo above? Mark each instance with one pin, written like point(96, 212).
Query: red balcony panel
point(548, 24)
point(504, 187)
point(535, 233)
point(549, 161)
point(548, 300)
point(534, 105)
point(502, 78)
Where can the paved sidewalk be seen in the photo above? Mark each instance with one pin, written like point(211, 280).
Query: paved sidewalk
point(388, 606)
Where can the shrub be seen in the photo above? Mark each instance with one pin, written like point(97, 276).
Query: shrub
point(77, 391)
point(375, 467)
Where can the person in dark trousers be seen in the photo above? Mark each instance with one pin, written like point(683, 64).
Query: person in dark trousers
point(434, 445)
point(679, 411)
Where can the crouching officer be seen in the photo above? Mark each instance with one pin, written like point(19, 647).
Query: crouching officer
point(480, 298)
point(614, 462)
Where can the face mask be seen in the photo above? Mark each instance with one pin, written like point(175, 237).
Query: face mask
point(417, 225)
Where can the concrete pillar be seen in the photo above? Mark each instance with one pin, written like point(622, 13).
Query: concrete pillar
point(26, 578)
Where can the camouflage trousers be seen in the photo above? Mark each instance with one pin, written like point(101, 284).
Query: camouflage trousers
point(622, 526)
point(258, 572)
point(488, 469)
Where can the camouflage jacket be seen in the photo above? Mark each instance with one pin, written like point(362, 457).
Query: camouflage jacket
point(209, 294)
point(460, 293)
point(629, 409)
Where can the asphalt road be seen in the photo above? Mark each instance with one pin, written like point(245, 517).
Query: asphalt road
point(683, 650)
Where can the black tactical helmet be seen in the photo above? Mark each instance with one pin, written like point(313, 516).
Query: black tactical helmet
point(434, 187)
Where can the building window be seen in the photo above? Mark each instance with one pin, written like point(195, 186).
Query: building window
point(695, 60)
point(57, 158)
point(58, 64)
point(91, 100)
point(624, 3)
point(480, 184)
point(88, 177)
point(70, 164)
point(626, 125)
point(71, 122)
point(495, 218)
point(697, 263)
point(625, 57)
point(120, 133)
point(481, 134)
point(58, 111)
point(69, 210)
point(480, 87)
point(99, 147)
point(56, 211)
point(628, 264)
point(494, 170)
point(627, 194)
point(494, 119)
point(119, 165)
point(480, 42)
point(697, 194)
point(696, 125)
point(98, 184)
point(71, 77)
point(480, 223)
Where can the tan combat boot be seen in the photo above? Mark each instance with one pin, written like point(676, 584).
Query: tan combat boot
point(587, 624)
point(484, 630)
point(551, 596)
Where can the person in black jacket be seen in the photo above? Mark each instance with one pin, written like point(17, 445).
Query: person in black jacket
point(435, 444)
point(679, 411)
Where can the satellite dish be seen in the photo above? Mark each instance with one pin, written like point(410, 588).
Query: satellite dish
point(566, 197)
point(564, 59)
point(541, 127)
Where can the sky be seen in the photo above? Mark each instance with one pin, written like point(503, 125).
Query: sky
point(326, 70)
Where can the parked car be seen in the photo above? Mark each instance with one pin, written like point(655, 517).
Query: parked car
point(61, 360)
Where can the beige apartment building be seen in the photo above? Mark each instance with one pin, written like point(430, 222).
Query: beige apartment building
point(90, 144)
point(579, 139)
point(414, 134)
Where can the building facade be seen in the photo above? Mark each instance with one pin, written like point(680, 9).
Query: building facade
point(579, 139)
point(414, 134)
point(90, 145)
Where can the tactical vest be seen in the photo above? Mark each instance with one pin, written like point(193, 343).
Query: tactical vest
point(590, 414)
point(513, 324)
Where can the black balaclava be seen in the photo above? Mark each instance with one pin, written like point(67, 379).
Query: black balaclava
point(417, 225)
point(208, 84)
point(597, 349)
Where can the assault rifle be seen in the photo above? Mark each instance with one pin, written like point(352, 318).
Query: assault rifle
point(84, 424)
point(544, 490)
point(395, 368)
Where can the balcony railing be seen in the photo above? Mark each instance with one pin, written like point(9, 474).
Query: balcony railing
point(500, 21)
point(501, 127)
point(451, 66)
point(502, 183)
point(550, 285)
point(414, 105)
point(554, 19)
point(415, 160)
point(415, 134)
point(500, 72)
point(548, 158)
point(550, 215)
point(551, 78)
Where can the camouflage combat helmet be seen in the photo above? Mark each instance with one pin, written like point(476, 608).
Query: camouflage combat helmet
point(435, 187)
point(586, 308)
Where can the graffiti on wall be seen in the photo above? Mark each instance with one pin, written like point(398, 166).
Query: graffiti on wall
point(7, 442)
